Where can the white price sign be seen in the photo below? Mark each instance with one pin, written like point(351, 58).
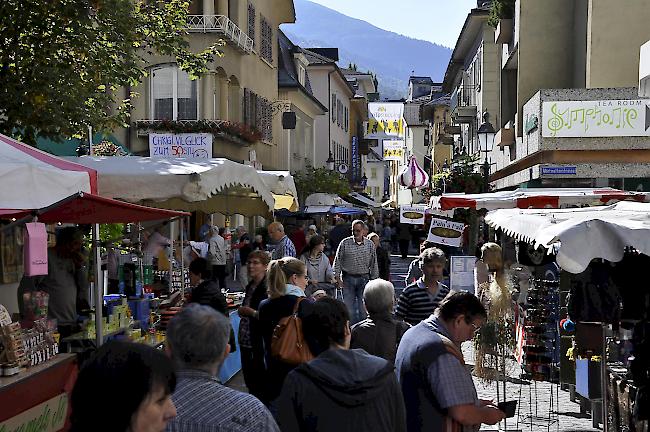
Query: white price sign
point(446, 232)
point(413, 215)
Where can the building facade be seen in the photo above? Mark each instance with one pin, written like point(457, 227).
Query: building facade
point(579, 55)
point(234, 100)
point(295, 88)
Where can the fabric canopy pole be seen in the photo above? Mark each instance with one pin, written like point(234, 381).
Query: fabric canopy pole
point(98, 288)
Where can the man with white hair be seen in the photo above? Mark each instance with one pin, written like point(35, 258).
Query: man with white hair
point(380, 333)
point(197, 338)
point(284, 247)
point(217, 256)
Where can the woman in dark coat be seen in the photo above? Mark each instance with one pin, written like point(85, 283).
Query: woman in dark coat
point(250, 335)
point(205, 291)
point(286, 282)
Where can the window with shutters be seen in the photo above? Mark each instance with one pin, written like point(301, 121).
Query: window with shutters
point(251, 22)
point(339, 112)
point(347, 118)
point(266, 40)
point(333, 108)
point(258, 114)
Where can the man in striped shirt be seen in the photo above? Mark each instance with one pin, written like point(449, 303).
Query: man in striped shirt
point(198, 340)
point(421, 298)
point(285, 247)
point(356, 261)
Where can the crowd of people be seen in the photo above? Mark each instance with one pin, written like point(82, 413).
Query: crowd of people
point(377, 362)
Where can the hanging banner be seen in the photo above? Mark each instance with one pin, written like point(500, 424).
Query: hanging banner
point(169, 145)
point(446, 232)
point(393, 150)
point(385, 119)
point(413, 215)
point(356, 160)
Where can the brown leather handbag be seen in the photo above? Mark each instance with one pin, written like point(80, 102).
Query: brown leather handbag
point(288, 342)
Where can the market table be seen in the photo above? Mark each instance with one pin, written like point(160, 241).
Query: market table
point(38, 394)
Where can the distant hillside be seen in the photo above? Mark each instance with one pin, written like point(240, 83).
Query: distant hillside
point(390, 55)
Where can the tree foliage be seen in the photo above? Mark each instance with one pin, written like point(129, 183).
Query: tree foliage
point(319, 180)
point(461, 178)
point(501, 9)
point(62, 62)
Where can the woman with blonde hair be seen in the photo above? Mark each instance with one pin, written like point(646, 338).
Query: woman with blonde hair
point(286, 280)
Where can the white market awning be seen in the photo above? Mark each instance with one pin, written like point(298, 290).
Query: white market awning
point(210, 185)
point(283, 188)
point(34, 179)
point(580, 235)
point(535, 198)
point(365, 200)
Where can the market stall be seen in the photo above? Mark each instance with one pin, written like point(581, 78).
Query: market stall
point(601, 320)
point(535, 198)
point(283, 188)
point(214, 185)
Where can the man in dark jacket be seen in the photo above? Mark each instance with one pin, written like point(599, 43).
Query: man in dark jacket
point(341, 389)
point(205, 291)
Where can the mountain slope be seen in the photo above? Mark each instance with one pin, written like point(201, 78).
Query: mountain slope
point(391, 56)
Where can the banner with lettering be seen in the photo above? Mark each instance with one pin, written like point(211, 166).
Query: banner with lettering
point(601, 118)
point(446, 232)
point(188, 145)
point(393, 150)
point(385, 120)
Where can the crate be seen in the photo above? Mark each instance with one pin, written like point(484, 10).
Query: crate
point(588, 379)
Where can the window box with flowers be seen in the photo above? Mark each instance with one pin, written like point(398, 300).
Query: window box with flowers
point(235, 132)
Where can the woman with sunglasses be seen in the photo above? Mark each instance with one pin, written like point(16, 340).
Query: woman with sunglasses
point(319, 269)
point(250, 335)
point(286, 281)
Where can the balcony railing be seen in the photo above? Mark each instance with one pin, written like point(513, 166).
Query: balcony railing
point(222, 25)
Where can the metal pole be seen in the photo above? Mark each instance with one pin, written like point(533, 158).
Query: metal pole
point(171, 256)
point(603, 379)
point(140, 259)
point(182, 258)
point(99, 290)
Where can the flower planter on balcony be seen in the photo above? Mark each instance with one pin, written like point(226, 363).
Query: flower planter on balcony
point(235, 132)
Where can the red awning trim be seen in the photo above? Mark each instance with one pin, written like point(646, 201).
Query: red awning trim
point(84, 208)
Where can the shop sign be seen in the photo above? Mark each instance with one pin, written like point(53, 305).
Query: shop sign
point(446, 232)
point(461, 273)
point(393, 150)
point(48, 416)
point(356, 162)
point(558, 170)
point(188, 145)
point(413, 214)
point(384, 120)
point(601, 118)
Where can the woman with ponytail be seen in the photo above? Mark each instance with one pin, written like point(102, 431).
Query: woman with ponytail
point(286, 280)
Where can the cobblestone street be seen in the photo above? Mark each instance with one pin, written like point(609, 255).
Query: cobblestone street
point(535, 397)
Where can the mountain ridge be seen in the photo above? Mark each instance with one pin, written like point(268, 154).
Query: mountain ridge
point(392, 56)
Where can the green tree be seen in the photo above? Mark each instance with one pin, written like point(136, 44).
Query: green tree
point(501, 9)
point(461, 178)
point(62, 62)
point(319, 180)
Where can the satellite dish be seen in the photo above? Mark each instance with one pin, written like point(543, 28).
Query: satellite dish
point(342, 168)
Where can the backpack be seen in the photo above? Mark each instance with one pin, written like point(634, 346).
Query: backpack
point(288, 342)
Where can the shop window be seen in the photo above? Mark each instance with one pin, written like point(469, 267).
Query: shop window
point(173, 95)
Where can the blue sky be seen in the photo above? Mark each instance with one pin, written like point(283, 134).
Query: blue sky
point(438, 21)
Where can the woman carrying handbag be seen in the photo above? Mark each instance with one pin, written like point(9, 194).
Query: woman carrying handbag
point(319, 269)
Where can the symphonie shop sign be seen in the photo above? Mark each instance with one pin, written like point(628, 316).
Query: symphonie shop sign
point(601, 118)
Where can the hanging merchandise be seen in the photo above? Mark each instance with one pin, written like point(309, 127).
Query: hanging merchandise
point(540, 329)
point(412, 176)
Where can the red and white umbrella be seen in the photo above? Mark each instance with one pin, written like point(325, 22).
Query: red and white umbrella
point(536, 198)
point(33, 179)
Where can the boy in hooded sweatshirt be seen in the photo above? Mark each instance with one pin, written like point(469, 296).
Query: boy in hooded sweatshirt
point(341, 389)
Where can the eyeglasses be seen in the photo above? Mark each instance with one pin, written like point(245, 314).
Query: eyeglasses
point(475, 327)
point(255, 262)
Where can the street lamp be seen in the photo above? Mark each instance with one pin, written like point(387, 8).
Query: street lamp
point(486, 134)
point(330, 162)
